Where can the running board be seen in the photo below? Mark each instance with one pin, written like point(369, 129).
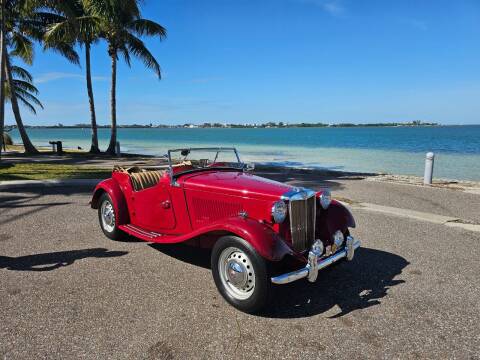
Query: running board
point(140, 233)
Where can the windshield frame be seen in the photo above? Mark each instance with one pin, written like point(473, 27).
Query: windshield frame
point(217, 149)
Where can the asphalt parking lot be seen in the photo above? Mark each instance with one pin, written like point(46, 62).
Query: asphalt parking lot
point(67, 291)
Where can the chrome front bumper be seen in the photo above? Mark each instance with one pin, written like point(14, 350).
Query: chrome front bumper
point(316, 263)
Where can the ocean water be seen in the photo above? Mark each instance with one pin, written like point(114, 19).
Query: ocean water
point(395, 150)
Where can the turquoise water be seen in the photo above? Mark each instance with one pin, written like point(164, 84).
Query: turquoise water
point(396, 150)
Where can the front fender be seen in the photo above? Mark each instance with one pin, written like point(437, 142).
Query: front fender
point(112, 187)
point(336, 217)
point(264, 240)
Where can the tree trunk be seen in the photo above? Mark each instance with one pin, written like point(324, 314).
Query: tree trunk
point(2, 75)
point(27, 144)
point(94, 147)
point(113, 105)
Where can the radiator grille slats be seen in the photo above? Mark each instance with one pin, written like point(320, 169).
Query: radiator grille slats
point(302, 222)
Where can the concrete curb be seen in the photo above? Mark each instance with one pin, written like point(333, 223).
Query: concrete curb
point(48, 183)
point(416, 215)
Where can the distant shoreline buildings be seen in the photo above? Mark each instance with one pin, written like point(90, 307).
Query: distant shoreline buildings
point(268, 125)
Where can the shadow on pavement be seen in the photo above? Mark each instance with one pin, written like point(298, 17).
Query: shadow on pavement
point(189, 254)
point(351, 286)
point(27, 198)
point(38, 190)
point(315, 179)
point(53, 260)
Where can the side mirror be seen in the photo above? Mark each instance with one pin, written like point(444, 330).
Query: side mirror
point(249, 167)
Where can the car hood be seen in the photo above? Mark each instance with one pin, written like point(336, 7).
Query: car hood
point(236, 183)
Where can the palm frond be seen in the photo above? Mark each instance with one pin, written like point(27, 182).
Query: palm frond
point(22, 47)
point(138, 48)
point(22, 73)
point(149, 28)
point(30, 97)
point(27, 104)
point(60, 32)
point(66, 50)
point(25, 85)
point(126, 56)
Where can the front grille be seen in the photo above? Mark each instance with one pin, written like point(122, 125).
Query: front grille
point(302, 221)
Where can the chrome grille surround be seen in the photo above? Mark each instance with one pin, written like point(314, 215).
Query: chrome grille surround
point(302, 209)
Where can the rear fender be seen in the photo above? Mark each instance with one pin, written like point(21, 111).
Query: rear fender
point(112, 188)
point(263, 239)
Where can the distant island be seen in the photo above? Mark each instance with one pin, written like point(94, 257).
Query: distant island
point(233, 126)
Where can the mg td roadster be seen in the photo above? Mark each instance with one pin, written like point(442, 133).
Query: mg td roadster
point(260, 232)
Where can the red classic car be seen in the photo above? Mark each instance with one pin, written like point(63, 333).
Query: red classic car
point(260, 231)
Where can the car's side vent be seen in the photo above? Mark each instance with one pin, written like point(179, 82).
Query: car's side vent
point(206, 210)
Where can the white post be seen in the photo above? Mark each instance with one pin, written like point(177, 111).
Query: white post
point(427, 177)
point(117, 148)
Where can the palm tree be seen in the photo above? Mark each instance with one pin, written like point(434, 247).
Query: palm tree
point(3, 51)
point(121, 25)
point(77, 26)
point(24, 22)
point(24, 90)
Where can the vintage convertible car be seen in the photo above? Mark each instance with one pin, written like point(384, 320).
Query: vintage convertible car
point(260, 231)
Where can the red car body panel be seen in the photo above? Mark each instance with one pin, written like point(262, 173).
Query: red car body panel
point(211, 202)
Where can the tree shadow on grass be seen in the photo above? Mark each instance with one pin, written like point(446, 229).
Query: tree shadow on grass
point(54, 260)
point(351, 286)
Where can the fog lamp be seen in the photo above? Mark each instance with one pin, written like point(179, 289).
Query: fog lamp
point(338, 239)
point(318, 247)
point(279, 211)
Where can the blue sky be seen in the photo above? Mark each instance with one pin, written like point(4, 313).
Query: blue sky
point(248, 61)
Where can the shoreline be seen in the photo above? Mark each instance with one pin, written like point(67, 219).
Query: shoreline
point(453, 184)
point(106, 161)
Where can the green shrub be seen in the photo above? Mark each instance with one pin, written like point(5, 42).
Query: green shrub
point(7, 139)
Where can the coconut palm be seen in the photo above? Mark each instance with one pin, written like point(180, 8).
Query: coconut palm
point(121, 25)
point(25, 22)
point(25, 92)
point(77, 26)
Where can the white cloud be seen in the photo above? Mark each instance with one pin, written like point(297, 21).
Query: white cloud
point(203, 80)
point(53, 76)
point(417, 24)
point(333, 7)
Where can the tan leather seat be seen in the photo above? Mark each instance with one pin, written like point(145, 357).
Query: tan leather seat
point(145, 179)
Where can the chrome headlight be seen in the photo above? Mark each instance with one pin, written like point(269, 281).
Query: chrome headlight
point(279, 211)
point(325, 199)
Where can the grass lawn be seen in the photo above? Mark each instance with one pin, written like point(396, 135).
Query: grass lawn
point(38, 171)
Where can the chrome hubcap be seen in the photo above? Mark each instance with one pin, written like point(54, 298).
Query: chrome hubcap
point(108, 216)
point(237, 273)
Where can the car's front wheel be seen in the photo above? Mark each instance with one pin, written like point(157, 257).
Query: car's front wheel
point(108, 218)
point(240, 274)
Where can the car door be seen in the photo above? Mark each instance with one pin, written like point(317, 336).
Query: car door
point(153, 208)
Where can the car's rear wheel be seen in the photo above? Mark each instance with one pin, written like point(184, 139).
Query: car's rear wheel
point(240, 274)
point(108, 218)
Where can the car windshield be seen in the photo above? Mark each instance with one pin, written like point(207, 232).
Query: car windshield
point(191, 159)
